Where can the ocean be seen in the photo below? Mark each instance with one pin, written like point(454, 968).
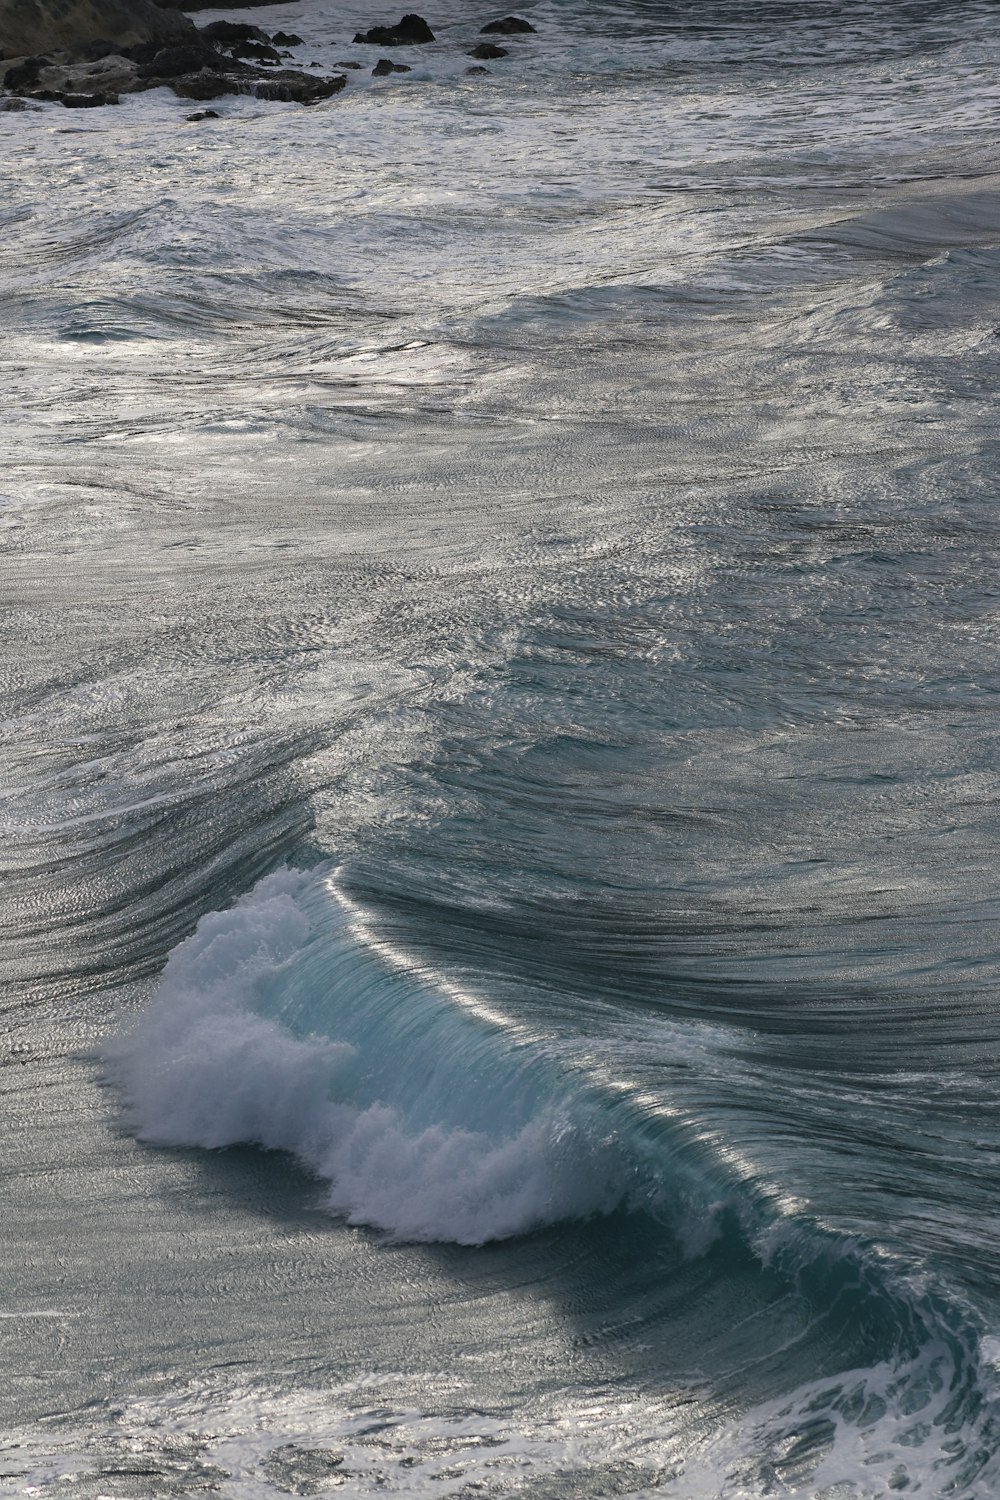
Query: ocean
point(501, 767)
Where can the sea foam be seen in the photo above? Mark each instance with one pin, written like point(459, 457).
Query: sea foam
point(276, 1024)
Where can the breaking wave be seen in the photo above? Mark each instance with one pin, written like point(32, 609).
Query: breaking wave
point(287, 1022)
point(276, 1024)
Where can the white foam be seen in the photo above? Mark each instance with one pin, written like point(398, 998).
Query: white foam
point(207, 1066)
point(419, 1437)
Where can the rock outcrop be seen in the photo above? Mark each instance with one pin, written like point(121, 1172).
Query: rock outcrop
point(174, 62)
point(79, 101)
point(508, 26)
point(32, 27)
point(207, 4)
point(411, 31)
point(85, 53)
point(54, 82)
point(277, 86)
point(227, 33)
point(77, 65)
point(288, 86)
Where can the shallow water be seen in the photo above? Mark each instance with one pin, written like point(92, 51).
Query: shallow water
point(499, 690)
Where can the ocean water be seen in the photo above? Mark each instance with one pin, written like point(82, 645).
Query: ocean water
point(501, 768)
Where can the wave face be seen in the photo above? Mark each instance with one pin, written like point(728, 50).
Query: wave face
point(276, 1025)
point(286, 1022)
point(500, 714)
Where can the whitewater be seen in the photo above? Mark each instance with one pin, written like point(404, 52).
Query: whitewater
point(499, 782)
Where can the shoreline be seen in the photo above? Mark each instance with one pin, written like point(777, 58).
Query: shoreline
point(105, 49)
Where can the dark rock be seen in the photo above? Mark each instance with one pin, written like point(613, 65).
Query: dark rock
point(13, 104)
point(31, 26)
point(287, 39)
point(256, 51)
point(206, 85)
point(224, 32)
point(283, 86)
point(207, 4)
point(488, 50)
point(203, 114)
point(97, 50)
point(509, 26)
point(354, 65)
point(384, 67)
point(88, 101)
point(408, 32)
point(471, 71)
point(24, 75)
point(111, 74)
point(416, 28)
point(174, 62)
point(142, 53)
point(75, 101)
point(291, 87)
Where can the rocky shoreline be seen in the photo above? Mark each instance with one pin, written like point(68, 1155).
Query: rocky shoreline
point(87, 53)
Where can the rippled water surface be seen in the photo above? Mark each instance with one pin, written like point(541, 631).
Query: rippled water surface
point(500, 685)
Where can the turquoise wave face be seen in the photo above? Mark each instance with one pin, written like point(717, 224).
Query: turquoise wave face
point(428, 1115)
point(424, 1112)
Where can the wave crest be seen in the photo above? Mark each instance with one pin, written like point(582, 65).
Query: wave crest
point(242, 1045)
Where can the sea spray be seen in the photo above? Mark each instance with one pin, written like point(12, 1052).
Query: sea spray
point(232, 1050)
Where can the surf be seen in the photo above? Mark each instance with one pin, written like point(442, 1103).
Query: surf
point(429, 1114)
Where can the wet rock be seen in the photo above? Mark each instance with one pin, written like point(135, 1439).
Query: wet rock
point(353, 65)
point(384, 66)
point(108, 75)
point(470, 72)
point(222, 33)
point(113, 75)
point(291, 87)
point(188, 61)
point(74, 101)
point(88, 101)
point(174, 62)
point(28, 27)
point(287, 39)
point(204, 85)
point(256, 52)
point(410, 31)
point(488, 50)
point(15, 104)
point(144, 52)
point(25, 75)
point(509, 26)
point(208, 4)
point(203, 114)
point(49, 80)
